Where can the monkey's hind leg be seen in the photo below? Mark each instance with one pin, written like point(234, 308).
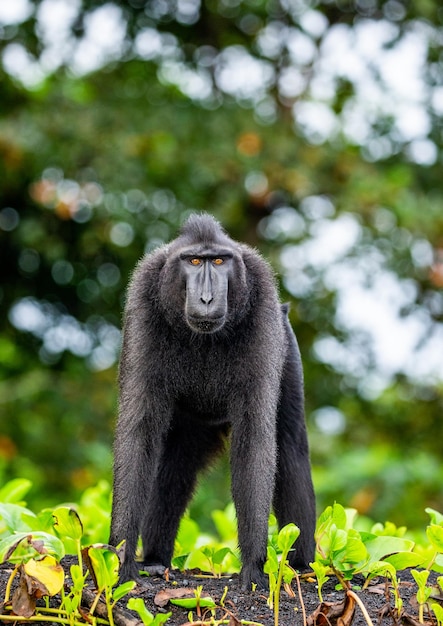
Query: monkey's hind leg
point(294, 499)
point(187, 451)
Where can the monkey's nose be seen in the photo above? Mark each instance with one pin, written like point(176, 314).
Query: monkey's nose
point(206, 298)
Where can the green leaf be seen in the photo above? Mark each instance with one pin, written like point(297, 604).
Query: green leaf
point(380, 568)
point(288, 574)
point(437, 566)
point(179, 561)
point(324, 519)
point(438, 612)
point(389, 529)
point(78, 577)
point(381, 546)
point(436, 517)
point(338, 539)
point(67, 523)
point(355, 551)
point(197, 558)
point(421, 578)
point(339, 517)
point(14, 517)
point(43, 521)
point(137, 605)
point(435, 536)
point(219, 555)
point(20, 547)
point(404, 560)
point(14, 490)
point(192, 603)
point(120, 591)
point(287, 537)
point(332, 516)
point(272, 584)
point(320, 572)
point(271, 564)
point(103, 563)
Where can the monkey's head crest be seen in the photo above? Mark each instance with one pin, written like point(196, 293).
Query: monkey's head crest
point(203, 228)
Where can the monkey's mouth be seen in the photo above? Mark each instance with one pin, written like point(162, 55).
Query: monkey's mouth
point(205, 325)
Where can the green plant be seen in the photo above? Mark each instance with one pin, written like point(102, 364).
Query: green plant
point(385, 569)
point(423, 592)
point(339, 546)
point(320, 572)
point(347, 552)
point(36, 555)
point(35, 543)
point(189, 552)
point(216, 557)
point(279, 570)
point(36, 559)
point(103, 562)
point(71, 601)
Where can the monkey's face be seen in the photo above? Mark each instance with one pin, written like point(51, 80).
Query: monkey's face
point(207, 274)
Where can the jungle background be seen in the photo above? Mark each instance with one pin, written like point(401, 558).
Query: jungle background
point(312, 129)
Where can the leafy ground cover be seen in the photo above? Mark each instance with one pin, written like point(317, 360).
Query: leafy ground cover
point(51, 572)
point(234, 605)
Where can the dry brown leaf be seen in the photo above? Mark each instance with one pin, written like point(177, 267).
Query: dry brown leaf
point(162, 597)
point(327, 613)
point(26, 594)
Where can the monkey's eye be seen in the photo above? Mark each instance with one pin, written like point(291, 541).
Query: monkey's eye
point(218, 261)
point(195, 261)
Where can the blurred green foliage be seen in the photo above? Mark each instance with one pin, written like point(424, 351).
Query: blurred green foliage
point(102, 162)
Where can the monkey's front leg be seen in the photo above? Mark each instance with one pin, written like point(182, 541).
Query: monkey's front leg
point(253, 463)
point(136, 457)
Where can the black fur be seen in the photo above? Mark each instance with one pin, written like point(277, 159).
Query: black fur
point(182, 391)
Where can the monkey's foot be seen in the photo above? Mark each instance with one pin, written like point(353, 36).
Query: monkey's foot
point(253, 577)
point(129, 571)
point(153, 569)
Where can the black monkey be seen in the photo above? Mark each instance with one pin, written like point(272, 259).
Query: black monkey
point(208, 350)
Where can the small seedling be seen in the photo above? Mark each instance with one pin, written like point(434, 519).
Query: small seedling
point(279, 571)
point(320, 572)
point(215, 558)
point(423, 592)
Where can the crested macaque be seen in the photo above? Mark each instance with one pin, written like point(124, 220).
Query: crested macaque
point(208, 354)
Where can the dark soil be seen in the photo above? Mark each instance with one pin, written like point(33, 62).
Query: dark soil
point(252, 606)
